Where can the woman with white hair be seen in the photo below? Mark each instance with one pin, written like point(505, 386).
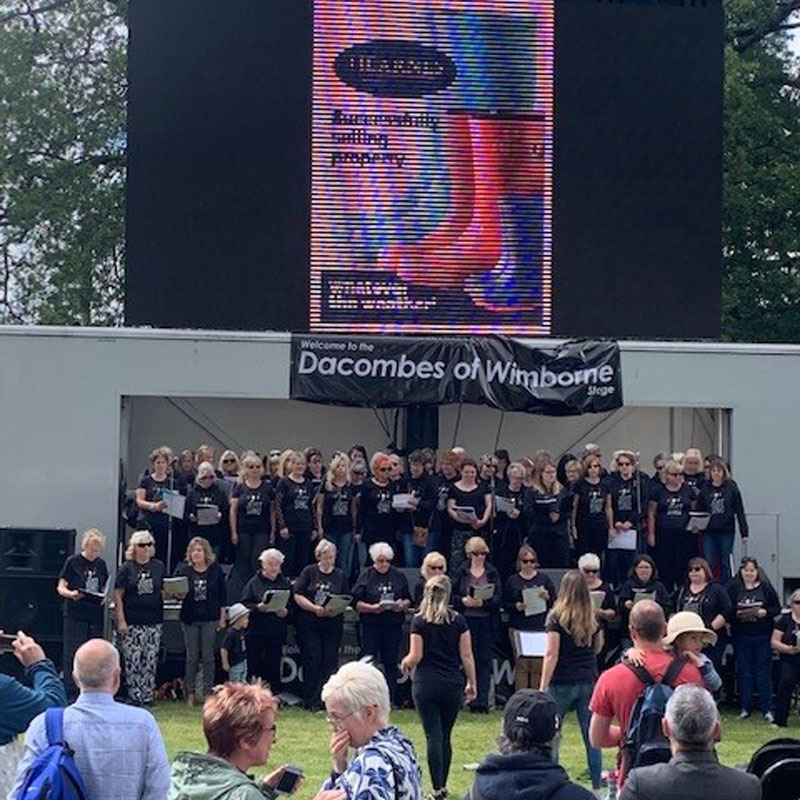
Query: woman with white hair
point(140, 613)
point(207, 508)
point(267, 631)
point(786, 643)
point(384, 766)
point(381, 597)
point(319, 628)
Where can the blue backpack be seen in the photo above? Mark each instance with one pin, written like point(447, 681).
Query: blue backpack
point(645, 743)
point(53, 775)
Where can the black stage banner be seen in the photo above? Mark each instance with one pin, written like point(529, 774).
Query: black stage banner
point(578, 377)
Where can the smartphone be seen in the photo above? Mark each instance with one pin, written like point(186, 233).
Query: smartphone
point(7, 642)
point(289, 780)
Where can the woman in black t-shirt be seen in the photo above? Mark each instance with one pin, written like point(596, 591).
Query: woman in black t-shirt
point(466, 493)
point(569, 671)
point(294, 501)
point(755, 606)
point(626, 505)
point(527, 669)
point(139, 608)
point(642, 579)
point(589, 509)
point(668, 516)
point(149, 496)
point(381, 597)
point(510, 525)
point(375, 520)
point(250, 515)
point(207, 508)
point(319, 629)
point(786, 642)
point(202, 612)
point(267, 630)
point(335, 510)
point(440, 648)
point(548, 510)
point(83, 578)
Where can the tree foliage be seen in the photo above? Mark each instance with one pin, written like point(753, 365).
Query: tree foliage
point(62, 161)
point(62, 165)
point(761, 217)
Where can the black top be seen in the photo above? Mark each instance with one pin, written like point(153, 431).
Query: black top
point(790, 634)
point(441, 519)
point(634, 586)
point(293, 502)
point(628, 498)
point(261, 622)
point(694, 482)
point(441, 659)
point(337, 510)
point(591, 512)
point(672, 512)
point(423, 488)
point(507, 528)
point(513, 595)
point(141, 585)
point(371, 586)
point(212, 495)
point(475, 498)
point(708, 603)
point(374, 518)
point(253, 511)
point(761, 596)
point(153, 493)
point(725, 505)
point(91, 576)
point(576, 663)
point(463, 579)
point(206, 594)
point(233, 642)
point(317, 586)
point(538, 506)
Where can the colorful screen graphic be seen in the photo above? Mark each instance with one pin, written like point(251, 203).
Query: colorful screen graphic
point(432, 166)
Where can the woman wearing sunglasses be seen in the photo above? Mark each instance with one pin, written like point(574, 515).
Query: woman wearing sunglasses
point(589, 509)
point(703, 595)
point(375, 520)
point(527, 583)
point(207, 508)
point(482, 613)
point(786, 642)
point(432, 565)
point(139, 609)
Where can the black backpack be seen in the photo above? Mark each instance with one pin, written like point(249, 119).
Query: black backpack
point(645, 742)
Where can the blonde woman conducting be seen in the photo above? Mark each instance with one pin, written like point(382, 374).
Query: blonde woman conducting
point(440, 648)
point(569, 671)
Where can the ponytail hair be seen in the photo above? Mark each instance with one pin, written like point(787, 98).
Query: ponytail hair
point(435, 604)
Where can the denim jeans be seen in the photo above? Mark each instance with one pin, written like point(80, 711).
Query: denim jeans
point(717, 547)
point(344, 550)
point(412, 553)
point(238, 672)
point(576, 696)
point(753, 671)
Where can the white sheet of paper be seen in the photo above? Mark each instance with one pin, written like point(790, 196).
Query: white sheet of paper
point(530, 643)
point(504, 504)
point(337, 603)
point(403, 501)
point(482, 592)
point(623, 540)
point(466, 513)
point(176, 503)
point(533, 599)
point(639, 596)
point(597, 599)
point(278, 598)
point(698, 519)
point(207, 515)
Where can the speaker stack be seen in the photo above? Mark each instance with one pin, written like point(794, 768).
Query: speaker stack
point(30, 562)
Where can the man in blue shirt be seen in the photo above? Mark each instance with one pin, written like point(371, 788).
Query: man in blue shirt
point(19, 704)
point(118, 749)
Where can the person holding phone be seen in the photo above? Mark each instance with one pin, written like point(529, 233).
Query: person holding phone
point(239, 727)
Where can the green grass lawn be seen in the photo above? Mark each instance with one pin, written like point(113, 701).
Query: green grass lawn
point(303, 740)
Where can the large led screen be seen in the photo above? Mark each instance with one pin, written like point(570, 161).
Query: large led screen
point(432, 151)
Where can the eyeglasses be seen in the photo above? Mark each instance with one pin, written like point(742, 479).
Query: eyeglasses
point(145, 544)
point(332, 719)
point(527, 561)
point(696, 569)
point(590, 571)
point(384, 469)
point(619, 464)
point(479, 553)
point(437, 567)
point(228, 460)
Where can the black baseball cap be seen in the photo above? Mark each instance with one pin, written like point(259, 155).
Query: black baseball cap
point(534, 711)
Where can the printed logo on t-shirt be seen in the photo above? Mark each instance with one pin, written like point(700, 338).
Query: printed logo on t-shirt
point(674, 506)
point(323, 591)
point(340, 506)
point(301, 499)
point(441, 503)
point(384, 502)
point(200, 590)
point(625, 499)
point(386, 591)
point(595, 501)
point(254, 505)
point(92, 582)
point(718, 503)
point(145, 583)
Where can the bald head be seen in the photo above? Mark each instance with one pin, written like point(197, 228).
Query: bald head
point(647, 623)
point(96, 666)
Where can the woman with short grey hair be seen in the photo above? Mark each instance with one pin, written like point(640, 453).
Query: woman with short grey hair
point(384, 766)
point(381, 596)
point(267, 631)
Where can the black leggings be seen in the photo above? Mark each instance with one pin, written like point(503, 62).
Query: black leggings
point(438, 703)
point(788, 678)
point(319, 654)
